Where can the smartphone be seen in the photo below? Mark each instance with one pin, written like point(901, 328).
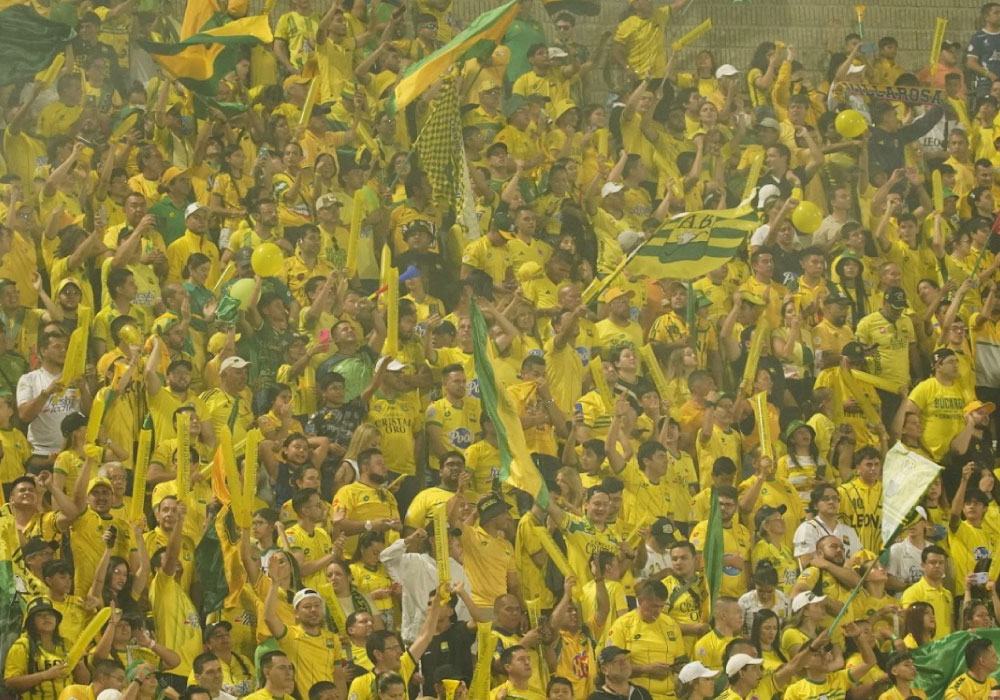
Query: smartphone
point(114, 536)
point(980, 578)
point(578, 407)
point(323, 336)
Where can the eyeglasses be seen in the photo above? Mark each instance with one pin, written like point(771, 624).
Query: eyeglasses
point(830, 497)
point(429, 25)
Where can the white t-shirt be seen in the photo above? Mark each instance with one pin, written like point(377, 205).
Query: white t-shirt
point(750, 605)
point(812, 531)
point(904, 562)
point(655, 562)
point(45, 432)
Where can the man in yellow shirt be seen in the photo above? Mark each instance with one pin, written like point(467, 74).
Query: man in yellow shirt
point(727, 616)
point(194, 240)
point(488, 555)
point(365, 505)
point(61, 116)
point(309, 541)
point(977, 682)
point(931, 589)
point(861, 498)
point(640, 45)
point(279, 677)
point(940, 401)
point(618, 328)
point(736, 544)
point(891, 331)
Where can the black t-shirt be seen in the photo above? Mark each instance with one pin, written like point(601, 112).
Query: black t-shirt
point(634, 693)
point(454, 647)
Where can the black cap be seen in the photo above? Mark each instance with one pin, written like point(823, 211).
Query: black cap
point(72, 422)
point(36, 545)
point(766, 512)
point(490, 507)
point(853, 351)
point(243, 256)
point(610, 653)
point(176, 364)
point(6, 282)
point(941, 354)
point(210, 629)
point(837, 298)
point(39, 605)
point(896, 297)
point(662, 529)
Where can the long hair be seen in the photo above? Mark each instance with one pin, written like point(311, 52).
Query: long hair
point(35, 642)
point(914, 621)
point(759, 618)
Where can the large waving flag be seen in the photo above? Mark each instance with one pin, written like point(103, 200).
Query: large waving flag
point(905, 477)
point(689, 245)
point(440, 149)
point(201, 60)
point(715, 549)
point(28, 42)
point(477, 40)
point(516, 466)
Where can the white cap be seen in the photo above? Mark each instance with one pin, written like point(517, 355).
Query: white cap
point(393, 366)
point(611, 188)
point(726, 70)
point(305, 594)
point(921, 512)
point(233, 362)
point(192, 208)
point(629, 239)
point(855, 69)
point(765, 193)
point(556, 52)
point(806, 598)
point(695, 670)
point(109, 694)
point(738, 661)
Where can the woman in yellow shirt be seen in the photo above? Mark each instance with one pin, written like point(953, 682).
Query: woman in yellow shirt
point(35, 666)
point(764, 633)
point(231, 188)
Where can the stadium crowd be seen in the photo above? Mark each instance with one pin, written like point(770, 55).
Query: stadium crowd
point(228, 464)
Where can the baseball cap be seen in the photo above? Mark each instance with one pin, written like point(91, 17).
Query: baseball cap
point(178, 363)
point(611, 188)
point(629, 239)
point(6, 282)
point(305, 594)
point(976, 404)
point(766, 512)
point(855, 69)
point(327, 200)
point(896, 297)
point(610, 653)
point(795, 425)
point(737, 662)
point(99, 481)
point(853, 351)
point(490, 507)
point(765, 193)
point(561, 107)
point(170, 173)
point(213, 627)
point(216, 342)
point(514, 103)
point(806, 598)
point(750, 297)
point(941, 354)
point(556, 52)
point(193, 208)
point(837, 298)
point(72, 422)
point(662, 529)
point(35, 545)
point(393, 366)
point(726, 70)
point(294, 79)
point(769, 123)
point(233, 362)
point(612, 293)
point(695, 670)
point(488, 84)
point(243, 256)
point(67, 281)
point(701, 300)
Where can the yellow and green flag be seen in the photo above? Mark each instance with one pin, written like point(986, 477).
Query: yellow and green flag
point(201, 60)
point(477, 40)
point(516, 466)
point(28, 42)
point(692, 244)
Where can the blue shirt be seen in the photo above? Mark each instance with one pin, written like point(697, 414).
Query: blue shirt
point(986, 48)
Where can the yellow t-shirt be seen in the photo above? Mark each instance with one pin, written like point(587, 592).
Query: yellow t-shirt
point(315, 656)
point(736, 540)
point(18, 663)
point(710, 648)
point(659, 641)
point(177, 624)
point(861, 508)
point(644, 42)
point(965, 687)
point(835, 687)
point(362, 502)
point(941, 599)
point(892, 361)
point(313, 546)
point(941, 408)
point(487, 561)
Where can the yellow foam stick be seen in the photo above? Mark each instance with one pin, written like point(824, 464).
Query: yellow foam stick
point(877, 382)
point(599, 285)
point(762, 418)
point(251, 461)
point(310, 102)
point(357, 216)
point(92, 629)
point(555, 554)
point(753, 356)
point(241, 516)
point(450, 686)
point(183, 458)
point(441, 548)
point(391, 346)
point(223, 278)
point(534, 619)
point(692, 35)
point(940, 24)
point(96, 416)
point(653, 369)
point(600, 382)
point(48, 75)
point(338, 614)
point(135, 511)
point(482, 674)
point(753, 176)
point(396, 483)
point(937, 190)
point(871, 415)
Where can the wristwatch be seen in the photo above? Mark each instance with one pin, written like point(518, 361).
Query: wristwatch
point(368, 525)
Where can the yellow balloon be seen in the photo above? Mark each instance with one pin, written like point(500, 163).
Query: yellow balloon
point(850, 124)
point(807, 217)
point(241, 291)
point(267, 260)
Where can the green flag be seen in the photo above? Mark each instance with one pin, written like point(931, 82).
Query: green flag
point(714, 549)
point(28, 43)
point(11, 609)
point(516, 466)
point(211, 572)
point(941, 661)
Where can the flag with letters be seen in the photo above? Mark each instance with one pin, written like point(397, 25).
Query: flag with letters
point(689, 245)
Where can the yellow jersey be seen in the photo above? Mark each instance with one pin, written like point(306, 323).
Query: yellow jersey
point(965, 687)
point(659, 641)
point(315, 656)
point(941, 408)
